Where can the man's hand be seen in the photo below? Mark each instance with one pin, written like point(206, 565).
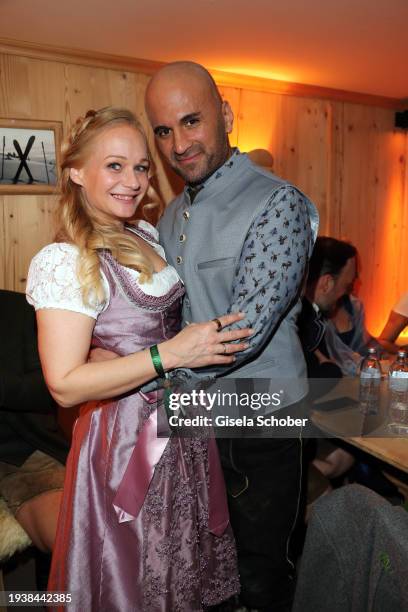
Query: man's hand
point(99, 354)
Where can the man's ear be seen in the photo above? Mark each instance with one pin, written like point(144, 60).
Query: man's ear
point(228, 116)
point(75, 175)
point(326, 283)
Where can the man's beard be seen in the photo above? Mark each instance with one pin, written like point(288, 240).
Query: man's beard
point(209, 163)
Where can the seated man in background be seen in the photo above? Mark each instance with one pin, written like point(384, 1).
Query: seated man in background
point(397, 322)
point(339, 343)
point(32, 450)
point(332, 274)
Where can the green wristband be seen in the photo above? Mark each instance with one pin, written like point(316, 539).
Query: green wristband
point(157, 362)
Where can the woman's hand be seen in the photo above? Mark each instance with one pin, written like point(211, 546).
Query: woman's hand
point(203, 344)
point(64, 342)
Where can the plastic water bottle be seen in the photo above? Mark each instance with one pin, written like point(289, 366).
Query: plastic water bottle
point(398, 395)
point(370, 379)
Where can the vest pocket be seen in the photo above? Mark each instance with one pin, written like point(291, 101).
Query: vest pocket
point(224, 262)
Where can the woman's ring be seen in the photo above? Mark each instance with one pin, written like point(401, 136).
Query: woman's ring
point(225, 348)
point(218, 324)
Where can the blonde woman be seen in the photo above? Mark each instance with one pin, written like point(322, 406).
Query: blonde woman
point(143, 523)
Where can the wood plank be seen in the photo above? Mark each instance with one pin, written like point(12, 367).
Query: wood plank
point(331, 225)
point(402, 284)
point(372, 204)
point(346, 157)
point(227, 79)
point(296, 132)
point(393, 451)
point(347, 420)
point(14, 101)
point(28, 227)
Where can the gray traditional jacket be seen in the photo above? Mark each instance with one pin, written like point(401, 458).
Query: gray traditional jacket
point(205, 240)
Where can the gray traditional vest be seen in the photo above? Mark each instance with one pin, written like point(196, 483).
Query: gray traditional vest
point(203, 241)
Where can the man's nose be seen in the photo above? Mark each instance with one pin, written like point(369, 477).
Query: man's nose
point(181, 142)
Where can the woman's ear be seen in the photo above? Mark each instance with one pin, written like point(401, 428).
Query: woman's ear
point(75, 175)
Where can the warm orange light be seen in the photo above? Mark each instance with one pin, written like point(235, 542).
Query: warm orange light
point(276, 75)
point(250, 143)
point(390, 272)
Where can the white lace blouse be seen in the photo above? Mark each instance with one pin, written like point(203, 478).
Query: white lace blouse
point(53, 282)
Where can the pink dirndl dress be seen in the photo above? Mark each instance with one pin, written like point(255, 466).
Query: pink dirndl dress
point(142, 525)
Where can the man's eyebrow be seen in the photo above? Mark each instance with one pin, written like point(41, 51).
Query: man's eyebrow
point(190, 117)
point(184, 119)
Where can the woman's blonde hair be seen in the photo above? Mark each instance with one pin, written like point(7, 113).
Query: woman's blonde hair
point(88, 228)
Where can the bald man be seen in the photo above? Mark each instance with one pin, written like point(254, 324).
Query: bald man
point(240, 239)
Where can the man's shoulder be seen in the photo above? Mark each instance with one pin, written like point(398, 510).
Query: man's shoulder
point(256, 176)
point(267, 183)
point(262, 174)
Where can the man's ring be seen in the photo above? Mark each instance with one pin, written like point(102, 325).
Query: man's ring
point(218, 324)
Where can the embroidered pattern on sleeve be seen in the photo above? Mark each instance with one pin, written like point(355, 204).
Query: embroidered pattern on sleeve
point(273, 261)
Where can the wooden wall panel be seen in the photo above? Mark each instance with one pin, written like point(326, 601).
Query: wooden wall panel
point(373, 204)
point(46, 92)
point(40, 89)
point(14, 100)
point(28, 226)
point(332, 224)
point(297, 133)
point(402, 263)
point(345, 156)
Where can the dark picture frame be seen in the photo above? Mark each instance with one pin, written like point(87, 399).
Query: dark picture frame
point(29, 156)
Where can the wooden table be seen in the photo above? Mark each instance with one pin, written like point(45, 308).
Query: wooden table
point(366, 432)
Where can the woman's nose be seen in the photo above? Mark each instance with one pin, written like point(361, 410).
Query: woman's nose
point(131, 179)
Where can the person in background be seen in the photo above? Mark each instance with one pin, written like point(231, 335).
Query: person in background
point(240, 238)
point(144, 519)
point(32, 448)
point(33, 451)
point(333, 270)
point(397, 322)
point(343, 344)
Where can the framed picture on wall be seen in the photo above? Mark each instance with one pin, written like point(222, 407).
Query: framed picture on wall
point(29, 156)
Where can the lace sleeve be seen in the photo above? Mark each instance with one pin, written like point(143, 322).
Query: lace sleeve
point(53, 283)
